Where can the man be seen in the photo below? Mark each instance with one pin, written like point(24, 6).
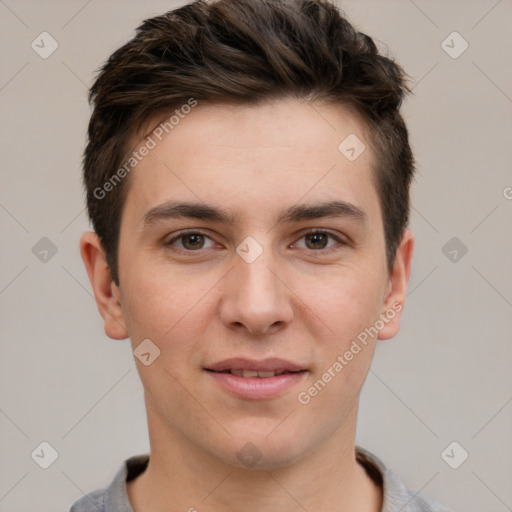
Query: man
point(247, 176)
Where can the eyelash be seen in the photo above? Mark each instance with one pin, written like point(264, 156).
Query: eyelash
point(340, 242)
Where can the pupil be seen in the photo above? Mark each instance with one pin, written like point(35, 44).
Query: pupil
point(193, 241)
point(317, 240)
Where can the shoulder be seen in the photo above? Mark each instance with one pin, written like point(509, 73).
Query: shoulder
point(396, 496)
point(92, 502)
point(113, 498)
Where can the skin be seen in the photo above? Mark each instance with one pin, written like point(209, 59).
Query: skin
point(298, 300)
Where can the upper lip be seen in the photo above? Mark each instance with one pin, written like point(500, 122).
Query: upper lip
point(265, 365)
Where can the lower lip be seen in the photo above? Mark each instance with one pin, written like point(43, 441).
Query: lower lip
point(257, 388)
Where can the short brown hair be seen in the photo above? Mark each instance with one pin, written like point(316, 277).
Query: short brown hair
point(245, 51)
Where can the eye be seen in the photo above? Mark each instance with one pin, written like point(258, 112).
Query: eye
point(318, 240)
point(191, 241)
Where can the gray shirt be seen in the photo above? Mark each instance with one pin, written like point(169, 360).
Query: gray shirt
point(397, 498)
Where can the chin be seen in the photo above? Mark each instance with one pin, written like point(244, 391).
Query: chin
point(263, 451)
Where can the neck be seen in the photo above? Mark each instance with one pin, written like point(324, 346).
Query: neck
point(181, 474)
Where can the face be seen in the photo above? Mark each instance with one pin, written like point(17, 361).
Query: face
point(251, 246)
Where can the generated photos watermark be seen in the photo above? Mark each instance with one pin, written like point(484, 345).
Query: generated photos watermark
point(358, 343)
point(151, 142)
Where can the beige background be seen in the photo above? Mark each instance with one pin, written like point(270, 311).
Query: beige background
point(445, 378)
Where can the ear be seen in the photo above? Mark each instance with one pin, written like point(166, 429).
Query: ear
point(397, 287)
point(106, 293)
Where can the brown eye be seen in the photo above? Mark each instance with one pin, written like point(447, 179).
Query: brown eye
point(317, 240)
point(192, 241)
point(321, 241)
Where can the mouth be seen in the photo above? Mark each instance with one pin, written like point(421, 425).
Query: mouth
point(252, 368)
point(253, 374)
point(256, 380)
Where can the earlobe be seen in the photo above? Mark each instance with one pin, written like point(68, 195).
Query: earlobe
point(105, 290)
point(397, 288)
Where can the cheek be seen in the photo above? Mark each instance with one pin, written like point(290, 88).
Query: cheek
point(345, 300)
point(346, 306)
point(170, 309)
point(171, 314)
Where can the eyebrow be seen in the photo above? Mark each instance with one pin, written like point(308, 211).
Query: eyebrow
point(341, 209)
point(200, 211)
point(296, 213)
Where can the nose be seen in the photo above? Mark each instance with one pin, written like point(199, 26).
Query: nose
point(255, 297)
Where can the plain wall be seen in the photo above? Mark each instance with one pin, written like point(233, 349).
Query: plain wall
point(446, 377)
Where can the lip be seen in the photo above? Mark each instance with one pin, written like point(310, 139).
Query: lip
point(265, 365)
point(256, 388)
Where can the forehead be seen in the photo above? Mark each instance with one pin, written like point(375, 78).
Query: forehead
point(239, 155)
